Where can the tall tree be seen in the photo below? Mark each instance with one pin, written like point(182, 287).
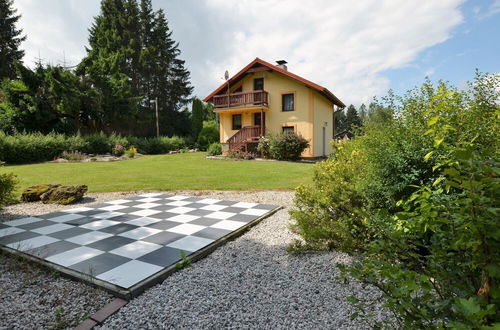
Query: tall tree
point(339, 121)
point(352, 119)
point(10, 40)
point(196, 118)
point(379, 114)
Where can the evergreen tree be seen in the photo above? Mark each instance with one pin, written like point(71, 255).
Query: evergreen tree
point(363, 112)
point(339, 121)
point(10, 40)
point(352, 120)
point(196, 118)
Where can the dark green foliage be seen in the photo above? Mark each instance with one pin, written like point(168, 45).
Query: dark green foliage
point(48, 99)
point(418, 194)
point(363, 113)
point(196, 117)
point(208, 135)
point(287, 146)
point(214, 149)
point(284, 146)
point(133, 62)
point(352, 120)
point(340, 121)
point(36, 147)
point(10, 40)
point(8, 183)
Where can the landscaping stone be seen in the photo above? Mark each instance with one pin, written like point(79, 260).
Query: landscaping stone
point(34, 193)
point(64, 194)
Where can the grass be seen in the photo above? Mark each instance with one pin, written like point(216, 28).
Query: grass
point(190, 171)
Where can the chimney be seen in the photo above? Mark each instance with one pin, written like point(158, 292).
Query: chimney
point(282, 64)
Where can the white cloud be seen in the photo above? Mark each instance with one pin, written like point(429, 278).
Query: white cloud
point(344, 45)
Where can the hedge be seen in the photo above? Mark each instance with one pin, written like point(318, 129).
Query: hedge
point(36, 147)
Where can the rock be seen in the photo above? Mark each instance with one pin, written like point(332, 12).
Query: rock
point(34, 193)
point(64, 194)
point(172, 152)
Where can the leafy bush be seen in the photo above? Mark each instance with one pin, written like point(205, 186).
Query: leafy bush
point(240, 154)
point(131, 152)
point(97, 144)
point(208, 135)
point(214, 149)
point(8, 183)
point(118, 150)
point(264, 146)
point(418, 195)
point(287, 146)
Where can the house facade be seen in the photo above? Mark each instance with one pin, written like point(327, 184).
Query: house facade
point(265, 98)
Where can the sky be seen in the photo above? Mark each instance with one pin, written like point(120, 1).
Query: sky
point(356, 49)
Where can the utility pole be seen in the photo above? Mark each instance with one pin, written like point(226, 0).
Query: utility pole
point(157, 122)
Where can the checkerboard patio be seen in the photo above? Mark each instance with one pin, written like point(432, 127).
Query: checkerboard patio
point(125, 245)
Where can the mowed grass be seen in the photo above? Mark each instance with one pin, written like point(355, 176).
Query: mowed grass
point(189, 171)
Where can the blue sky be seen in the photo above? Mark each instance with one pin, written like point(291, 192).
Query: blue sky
point(357, 50)
point(475, 43)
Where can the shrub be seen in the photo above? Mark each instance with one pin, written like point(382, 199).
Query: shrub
point(287, 146)
point(214, 149)
point(73, 156)
point(131, 152)
point(118, 150)
point(264, 146)
point(240, 154)
point(208, 135)
point(8, 183)
point(419, 196)
point(97, 144)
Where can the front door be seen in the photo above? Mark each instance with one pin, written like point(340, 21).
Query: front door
point(258, 119)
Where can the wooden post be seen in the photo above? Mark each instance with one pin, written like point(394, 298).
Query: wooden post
point(261, 122)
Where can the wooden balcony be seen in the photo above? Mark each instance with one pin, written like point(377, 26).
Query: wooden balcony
point(242, 99)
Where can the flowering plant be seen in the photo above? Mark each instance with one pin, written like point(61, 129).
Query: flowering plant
point(118, 150)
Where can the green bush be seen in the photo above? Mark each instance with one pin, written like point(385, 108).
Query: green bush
point(98, 144)
point(264, 146)
point(35, 147)
point(214, 149)
point(287, 146)
point(208, 135)
point(418, 196)
point(8, 183)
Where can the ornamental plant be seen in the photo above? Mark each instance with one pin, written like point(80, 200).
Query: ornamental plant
point(118, 150)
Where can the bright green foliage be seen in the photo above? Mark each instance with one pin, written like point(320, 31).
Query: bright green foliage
point(196, 117)
point(363, 113)
point(8, 183)
point(10, 40)
point(418, 193)
point(214, 149)
point(208, 135)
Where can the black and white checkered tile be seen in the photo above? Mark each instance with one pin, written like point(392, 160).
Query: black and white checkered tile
point(128, 240)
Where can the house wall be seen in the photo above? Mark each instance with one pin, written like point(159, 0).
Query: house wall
point(311, 111)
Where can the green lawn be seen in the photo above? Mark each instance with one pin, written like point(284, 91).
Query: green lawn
point(167, 172)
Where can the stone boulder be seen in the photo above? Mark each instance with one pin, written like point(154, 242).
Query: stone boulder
point(64, 194)
point(34, 193)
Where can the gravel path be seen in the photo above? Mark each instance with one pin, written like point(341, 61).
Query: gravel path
point(250, 282)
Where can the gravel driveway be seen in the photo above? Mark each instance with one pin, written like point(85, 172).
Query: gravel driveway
point(250, 282)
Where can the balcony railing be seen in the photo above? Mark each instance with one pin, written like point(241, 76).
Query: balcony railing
point(253, 98)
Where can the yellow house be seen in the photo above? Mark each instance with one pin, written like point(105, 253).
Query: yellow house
point(265, 98)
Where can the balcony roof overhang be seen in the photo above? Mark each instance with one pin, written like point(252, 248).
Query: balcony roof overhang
point(261, 65)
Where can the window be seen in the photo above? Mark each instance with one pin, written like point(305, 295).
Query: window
point(258, 84)
point(236, 122)
point(287, 102)
point(238, 90)
point(288, 129)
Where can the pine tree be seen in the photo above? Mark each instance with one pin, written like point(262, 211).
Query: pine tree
point(339, 121)
point(10, 40)
point(352, 120)
point(196, 118)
